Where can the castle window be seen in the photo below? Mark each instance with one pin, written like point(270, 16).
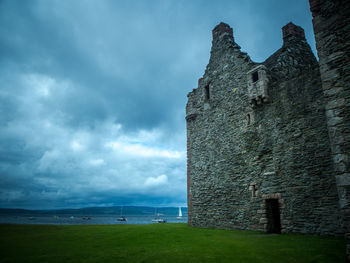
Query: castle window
point(257, 81)
point(255, 76)
point(253, 189)
point(248, 119)
point(207, 93)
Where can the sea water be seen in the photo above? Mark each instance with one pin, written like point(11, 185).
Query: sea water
point(84, 220)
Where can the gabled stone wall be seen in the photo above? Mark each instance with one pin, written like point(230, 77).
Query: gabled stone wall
point(247, 144)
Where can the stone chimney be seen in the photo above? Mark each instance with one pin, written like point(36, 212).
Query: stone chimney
point(291, 31)
point(222, 29)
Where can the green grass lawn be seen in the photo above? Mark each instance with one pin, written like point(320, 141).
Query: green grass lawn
point(160, 243)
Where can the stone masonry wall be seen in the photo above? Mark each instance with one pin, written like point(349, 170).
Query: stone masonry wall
point(331, 21)
point(244, 149)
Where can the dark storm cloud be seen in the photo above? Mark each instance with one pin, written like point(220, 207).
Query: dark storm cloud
point(53, 42)
point(93, 93)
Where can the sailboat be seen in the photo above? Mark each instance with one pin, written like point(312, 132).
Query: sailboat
point(180, 214)
point(157, 219)
point(122, 218)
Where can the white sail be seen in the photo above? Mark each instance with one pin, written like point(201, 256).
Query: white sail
point(180, 212)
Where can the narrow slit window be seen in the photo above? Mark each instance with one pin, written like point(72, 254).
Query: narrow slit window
point(253, 189)
point(207, 93)
point(255, 76)
point(248, 119)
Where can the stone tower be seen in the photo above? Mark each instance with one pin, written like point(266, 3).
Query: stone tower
point(331, 20)
point(259, 154)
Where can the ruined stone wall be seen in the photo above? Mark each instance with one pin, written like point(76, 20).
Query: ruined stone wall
point(331, 21)
point(250, 141)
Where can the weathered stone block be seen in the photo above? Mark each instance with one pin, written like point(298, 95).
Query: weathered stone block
point(263, 220)
point(343, 179)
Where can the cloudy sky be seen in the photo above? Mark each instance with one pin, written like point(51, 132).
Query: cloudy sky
point(93, 93)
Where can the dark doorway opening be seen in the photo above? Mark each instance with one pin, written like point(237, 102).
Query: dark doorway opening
point(273, 216)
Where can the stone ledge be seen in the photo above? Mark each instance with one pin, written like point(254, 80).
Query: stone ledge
point(343, 180)
point(271, 196)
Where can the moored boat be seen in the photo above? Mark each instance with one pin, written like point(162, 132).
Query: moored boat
point(157, 219)
point(122, 218)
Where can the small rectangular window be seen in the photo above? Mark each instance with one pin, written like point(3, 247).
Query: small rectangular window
point(207, 92)
point(255, 76)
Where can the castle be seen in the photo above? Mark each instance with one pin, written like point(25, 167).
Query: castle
point(268, 143)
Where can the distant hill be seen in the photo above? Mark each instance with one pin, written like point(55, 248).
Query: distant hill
point(113, 210)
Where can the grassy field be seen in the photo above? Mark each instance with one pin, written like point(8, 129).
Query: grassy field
point(160, 243)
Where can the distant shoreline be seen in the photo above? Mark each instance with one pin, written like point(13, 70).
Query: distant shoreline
point(70, 219)
point(113, 210)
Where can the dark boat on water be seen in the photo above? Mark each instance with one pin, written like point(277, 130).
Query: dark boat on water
point(122, 218)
